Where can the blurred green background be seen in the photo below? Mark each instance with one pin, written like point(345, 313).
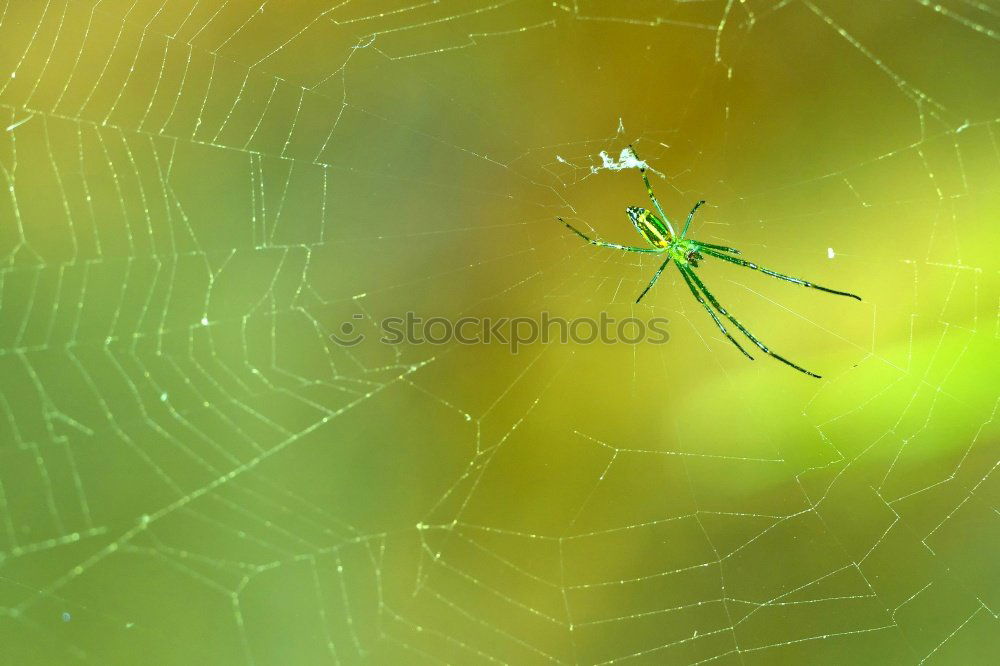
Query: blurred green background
point(197, 193)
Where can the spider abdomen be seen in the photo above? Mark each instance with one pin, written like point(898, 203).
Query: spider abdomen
point(650, 226)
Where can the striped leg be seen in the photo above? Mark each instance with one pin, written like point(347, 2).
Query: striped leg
point(712, 314)
point(687, 223)
point(720, 248)
point(615, 246)
point(652, 197)
point(804, 283)
point(655, 278)
point(694, 278)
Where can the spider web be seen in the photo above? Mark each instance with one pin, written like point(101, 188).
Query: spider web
point(198, 193)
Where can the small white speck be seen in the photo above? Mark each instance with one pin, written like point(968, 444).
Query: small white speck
point(163, 397)
point(830, 253)
point(204, 321)
point(13, 75)
point(18, 123)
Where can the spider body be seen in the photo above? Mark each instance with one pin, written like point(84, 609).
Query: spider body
point(651, 227)
point(686, 254)
point(656, 233)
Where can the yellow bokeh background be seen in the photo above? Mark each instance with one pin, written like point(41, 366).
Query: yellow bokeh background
point(198, 194)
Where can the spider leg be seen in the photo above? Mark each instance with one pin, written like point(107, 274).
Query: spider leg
point(652, 197)
point(804, 283)
point(655, 278)
point(615, 246)
point(694, 278)
point(720, 248)
point(687, 223)
point(711, 313)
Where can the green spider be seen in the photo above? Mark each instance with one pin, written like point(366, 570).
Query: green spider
point(686, 253)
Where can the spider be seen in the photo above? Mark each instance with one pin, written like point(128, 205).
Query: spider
point(686, 253)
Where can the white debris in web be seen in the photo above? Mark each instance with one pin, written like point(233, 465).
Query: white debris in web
point(626, 160)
